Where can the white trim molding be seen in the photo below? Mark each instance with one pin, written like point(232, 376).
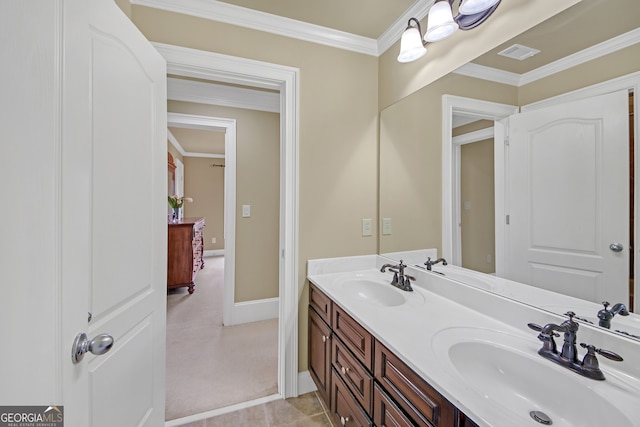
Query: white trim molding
point(222, 95)
point(286, 80)
point(451, 247)
point(305, 383)
point(254, 311)
point(261, 21)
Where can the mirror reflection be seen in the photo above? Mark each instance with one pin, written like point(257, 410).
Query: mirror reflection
point(555, 207)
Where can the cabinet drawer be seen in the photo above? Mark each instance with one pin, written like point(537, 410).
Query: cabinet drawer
point(320, 303)
point(425, 406)
point(386, 413)
point(355, 337)
point(344, 408)
point(354, 375)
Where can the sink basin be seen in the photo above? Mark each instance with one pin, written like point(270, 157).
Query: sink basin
point(505, 371)
point(376, 291)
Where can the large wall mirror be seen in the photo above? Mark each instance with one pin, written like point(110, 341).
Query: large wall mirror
point(447, 183)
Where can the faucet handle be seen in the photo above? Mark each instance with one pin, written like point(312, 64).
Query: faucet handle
point(606, 353)
point(538, 328)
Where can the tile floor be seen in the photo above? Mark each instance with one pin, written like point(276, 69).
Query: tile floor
point(306, 410)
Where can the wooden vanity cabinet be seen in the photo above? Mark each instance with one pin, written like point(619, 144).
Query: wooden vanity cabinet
point(363, 382)
point(185, 252)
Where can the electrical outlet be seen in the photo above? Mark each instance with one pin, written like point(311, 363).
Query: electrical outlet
point(367, 225)
point(213, 240)
point(386, 226)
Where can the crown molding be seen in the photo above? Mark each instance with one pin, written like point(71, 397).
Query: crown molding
point(244, 17)
point(488, 73)
point(226, 96)
point(589, 54)
point(419, 10)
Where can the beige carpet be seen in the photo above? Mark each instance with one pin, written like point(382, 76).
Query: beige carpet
point(210, 366)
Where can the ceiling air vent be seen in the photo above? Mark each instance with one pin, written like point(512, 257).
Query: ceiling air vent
point(519, 52)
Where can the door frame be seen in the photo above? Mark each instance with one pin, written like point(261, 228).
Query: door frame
point(214, 66)
point(451, 104)
point(451, 236)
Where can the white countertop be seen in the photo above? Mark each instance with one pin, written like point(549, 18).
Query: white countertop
point(439, 306)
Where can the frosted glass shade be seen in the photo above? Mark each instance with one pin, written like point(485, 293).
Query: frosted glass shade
point(411, 47)
point(470, 7)
point(441, 24)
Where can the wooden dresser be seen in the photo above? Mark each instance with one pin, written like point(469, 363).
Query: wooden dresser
point(186, 246)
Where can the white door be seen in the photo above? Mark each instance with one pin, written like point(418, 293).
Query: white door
point(568, 196)
point(113, 218)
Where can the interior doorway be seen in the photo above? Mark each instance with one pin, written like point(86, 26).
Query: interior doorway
point(215, 67)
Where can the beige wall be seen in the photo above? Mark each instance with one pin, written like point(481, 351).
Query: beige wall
point(478, 212)
point(205, 185)
point(338, 161)
point(411, 160)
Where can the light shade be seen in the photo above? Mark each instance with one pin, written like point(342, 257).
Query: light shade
point(441, 24)
point(470, 7)
point(411, 47)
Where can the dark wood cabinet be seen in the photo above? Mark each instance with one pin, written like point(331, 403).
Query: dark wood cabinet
point(185, 252)
point(320, 353)
point(363, 382)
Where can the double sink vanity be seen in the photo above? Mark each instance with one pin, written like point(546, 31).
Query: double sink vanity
point(453, 354)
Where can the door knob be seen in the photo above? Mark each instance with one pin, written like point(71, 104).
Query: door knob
point(616, 247)
point(99, 345)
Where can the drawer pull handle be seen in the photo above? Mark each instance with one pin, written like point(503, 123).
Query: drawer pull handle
point(325, 338)
point(344, 370)
point(344, 420)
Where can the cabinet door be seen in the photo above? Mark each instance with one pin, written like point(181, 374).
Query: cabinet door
point(320, 354)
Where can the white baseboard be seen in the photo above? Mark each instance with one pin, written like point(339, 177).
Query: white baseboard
point(305, 383)
point(213, 252)
point(254, 311)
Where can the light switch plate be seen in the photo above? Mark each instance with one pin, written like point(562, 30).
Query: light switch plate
point(386, 226)
point(246, 211)
point(367, 225)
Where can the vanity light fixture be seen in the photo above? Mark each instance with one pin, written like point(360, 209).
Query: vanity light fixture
point(442, 24)
point(411, 43)
point(471, 7)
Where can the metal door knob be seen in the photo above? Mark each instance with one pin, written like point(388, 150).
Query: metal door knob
point(81, 345)
point(616, 247)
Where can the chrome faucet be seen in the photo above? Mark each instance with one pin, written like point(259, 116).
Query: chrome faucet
point(400, 280)
point(429, 263)
point(568, 356)
point(605, 315)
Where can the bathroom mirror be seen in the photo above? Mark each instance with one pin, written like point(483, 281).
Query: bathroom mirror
point(411, 136)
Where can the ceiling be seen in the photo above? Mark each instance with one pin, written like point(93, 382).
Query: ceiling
point(367, 18)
